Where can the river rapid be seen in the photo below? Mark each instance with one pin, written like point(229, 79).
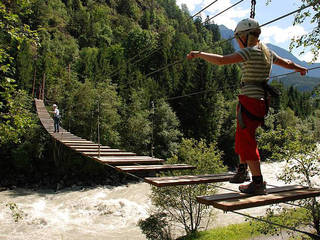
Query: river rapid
point(99, 213)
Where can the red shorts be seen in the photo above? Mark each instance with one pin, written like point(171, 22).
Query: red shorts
point(245, 142)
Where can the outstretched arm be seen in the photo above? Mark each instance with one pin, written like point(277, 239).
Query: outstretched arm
point(216, 58)
point(286, 63)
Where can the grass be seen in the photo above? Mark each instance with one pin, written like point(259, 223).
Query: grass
point(247, 230)
point(239, 231)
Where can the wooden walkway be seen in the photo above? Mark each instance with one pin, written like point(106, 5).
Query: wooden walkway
point(129, 162)
point(103, 154)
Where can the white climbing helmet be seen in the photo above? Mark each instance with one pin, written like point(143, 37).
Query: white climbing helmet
point(246, 25)
point(54, 105)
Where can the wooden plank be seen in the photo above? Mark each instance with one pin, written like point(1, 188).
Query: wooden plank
point(127, 157)
point(94, 149)
point(154, 167)
point(237, 195)
point(76, 141)
point(276, 195)
point(70, 138)
point(67, 138)
point(122, 160)
point(96, 153)
point(119, 162)
point(262, 200)
point(85, 145)
point(188, 179)
point(66, 135)
point(80, 143)
point(51, 131)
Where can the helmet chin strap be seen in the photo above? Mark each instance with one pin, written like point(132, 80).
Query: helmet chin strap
point(245, 44)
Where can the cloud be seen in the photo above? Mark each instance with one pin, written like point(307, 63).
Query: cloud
point(276, 34)
point(229, 18)
point(191, 4)
point(307, 57)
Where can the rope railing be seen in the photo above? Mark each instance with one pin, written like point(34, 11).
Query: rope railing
point(218, 14)
point(221, 88)
point(285, 74)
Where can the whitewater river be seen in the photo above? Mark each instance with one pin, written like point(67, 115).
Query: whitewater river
point(94, 213)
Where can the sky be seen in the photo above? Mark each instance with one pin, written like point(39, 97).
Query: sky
point(278, 33)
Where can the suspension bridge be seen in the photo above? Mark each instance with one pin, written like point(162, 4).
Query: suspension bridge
point(129, 162)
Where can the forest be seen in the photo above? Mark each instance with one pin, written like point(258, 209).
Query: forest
point(115, 61)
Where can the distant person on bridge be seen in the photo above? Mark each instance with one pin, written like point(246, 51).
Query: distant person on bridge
point(256, 61)
point(56, 117)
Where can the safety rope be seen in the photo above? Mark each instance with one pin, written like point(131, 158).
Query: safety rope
point(285, 74)
point(253, 9)
point(209, 19)
point(220, 88)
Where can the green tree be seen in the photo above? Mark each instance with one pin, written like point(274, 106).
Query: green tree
point(165, 130)
point(136, 125)
point(19, 134)
point(179, 202)
point(17, 118)
point(109, 104)
point(25, 66)
point(13, 35)
point(90, 104)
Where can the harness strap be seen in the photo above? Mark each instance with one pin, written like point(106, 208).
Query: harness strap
point(268, 90)
point(242, 109)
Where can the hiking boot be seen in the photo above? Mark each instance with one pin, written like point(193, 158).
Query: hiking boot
point(240, 177)
point(254, 188)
